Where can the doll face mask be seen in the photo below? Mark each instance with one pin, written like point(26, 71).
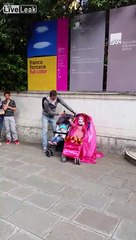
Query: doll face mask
point(81, 121)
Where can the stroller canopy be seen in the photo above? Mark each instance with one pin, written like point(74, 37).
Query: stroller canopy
point(89, 147)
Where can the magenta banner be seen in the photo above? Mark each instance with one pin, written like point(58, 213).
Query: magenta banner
point(62, 55)
point(122, 50)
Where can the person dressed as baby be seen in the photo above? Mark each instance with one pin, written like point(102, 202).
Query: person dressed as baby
point(61, 130)
point(79, 128)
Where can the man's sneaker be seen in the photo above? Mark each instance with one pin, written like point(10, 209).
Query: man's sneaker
point(17, 142)
point(44, 150)
point(8, 142)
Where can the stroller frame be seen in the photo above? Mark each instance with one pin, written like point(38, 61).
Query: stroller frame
point(59, 147)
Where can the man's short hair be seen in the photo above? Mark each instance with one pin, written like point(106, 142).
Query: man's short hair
point(53, 93)
point(7, 92)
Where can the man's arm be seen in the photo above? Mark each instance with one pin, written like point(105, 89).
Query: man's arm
point(13, 105)
point(5, 105)
point(62, 102)
point(12, 108)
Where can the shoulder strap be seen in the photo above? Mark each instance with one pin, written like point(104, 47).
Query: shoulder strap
point(58, 99)
point(43, 99)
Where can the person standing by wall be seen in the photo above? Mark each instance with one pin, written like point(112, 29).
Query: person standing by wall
point(9, 106)
point(2, 112)
point(49, 105)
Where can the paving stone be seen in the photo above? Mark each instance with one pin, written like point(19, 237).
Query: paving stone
point(35, 151)
point(88, 186)
point(69, 231)
point(13, 174)
point(126, 211)
point(107, 165)
point(87, 173)
point(13, 164)
point(23, 235)
point(9, 205)
point(109, 239)
point(127, 168)
point(131, 185)
point(69, 193)
point(7, 229)
point(116, 159)
point(55, 175)
point(30, 169)
point(112, 181)
point(119, 194)
point(93, 201)
point(98, 221)
point(133, 198)
point(33, 160)
point(124, 174)
point(13, 156)
point(55, 164)
point(21, 193)
point(3, 160)
point(42, 200)
point(4, 153)
point(42, 184)
point(65, 209)
point(6, 186)
point(34, 220)
point(68, 183)
point(126, 231)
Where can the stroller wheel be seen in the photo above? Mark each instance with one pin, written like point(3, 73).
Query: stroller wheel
point(77, 161)
point(51, 152)
point(63, 159)
point(48, 153)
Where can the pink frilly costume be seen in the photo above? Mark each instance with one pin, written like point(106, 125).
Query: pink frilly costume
point(84, 148)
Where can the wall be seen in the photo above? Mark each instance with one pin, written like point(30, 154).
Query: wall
point(114, 116)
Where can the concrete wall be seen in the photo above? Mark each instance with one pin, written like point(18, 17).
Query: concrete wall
point(114, 116)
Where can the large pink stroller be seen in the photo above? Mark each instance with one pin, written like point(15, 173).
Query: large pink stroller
point(81, 149)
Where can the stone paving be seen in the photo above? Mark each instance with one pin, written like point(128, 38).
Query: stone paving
point(44, 199)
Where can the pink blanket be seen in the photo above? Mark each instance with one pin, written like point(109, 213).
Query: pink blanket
point(88, 151)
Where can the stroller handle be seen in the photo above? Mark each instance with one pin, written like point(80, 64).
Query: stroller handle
point(60, 133)
point(64, 112)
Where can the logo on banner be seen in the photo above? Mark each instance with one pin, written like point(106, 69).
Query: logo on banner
point(115, 38)
point(9, 8)
point(78, 24)
point(37, 67)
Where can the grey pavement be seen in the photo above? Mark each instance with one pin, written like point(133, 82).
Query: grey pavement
point(44, 199)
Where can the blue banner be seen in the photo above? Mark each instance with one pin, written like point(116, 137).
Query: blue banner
point(44, 40)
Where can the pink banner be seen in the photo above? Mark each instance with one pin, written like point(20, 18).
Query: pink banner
point(62, 55)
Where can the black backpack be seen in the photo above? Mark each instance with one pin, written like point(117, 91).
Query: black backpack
point(50, 104)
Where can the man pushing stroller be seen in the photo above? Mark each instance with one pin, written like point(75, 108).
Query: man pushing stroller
point(49, 105)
